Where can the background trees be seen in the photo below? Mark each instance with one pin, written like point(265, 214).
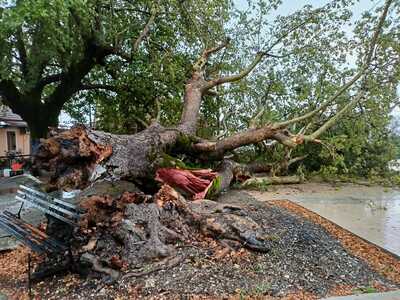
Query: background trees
point(53, 51)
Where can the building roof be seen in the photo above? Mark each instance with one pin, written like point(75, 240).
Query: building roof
point(9, 119)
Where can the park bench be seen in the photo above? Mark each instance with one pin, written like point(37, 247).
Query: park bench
point(34, 238)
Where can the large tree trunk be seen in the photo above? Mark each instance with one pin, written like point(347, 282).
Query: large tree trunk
point(76, 157)
point(40, 120)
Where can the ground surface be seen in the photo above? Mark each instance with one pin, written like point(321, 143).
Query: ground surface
point(307, 261)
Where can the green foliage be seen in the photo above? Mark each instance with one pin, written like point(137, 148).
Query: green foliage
point(366, 290)
point(214, 188)
point(171, 162)
point(259, 185)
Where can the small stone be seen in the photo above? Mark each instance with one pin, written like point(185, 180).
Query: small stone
point(150, 283)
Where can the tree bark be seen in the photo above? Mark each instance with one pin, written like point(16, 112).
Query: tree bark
point(75, 157)
point(255, 181)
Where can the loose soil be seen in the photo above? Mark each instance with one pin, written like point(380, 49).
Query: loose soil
point(308, 260)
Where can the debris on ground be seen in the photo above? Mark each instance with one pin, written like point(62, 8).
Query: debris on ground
point(305, 261)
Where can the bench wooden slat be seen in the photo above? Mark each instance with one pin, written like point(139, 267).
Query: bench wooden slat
point(42, 236)
point(64, 203)
point(21, 237)
point(46, 196)
point(32, 198)
point(49, 212)
point(26, 233)
point(20, 230)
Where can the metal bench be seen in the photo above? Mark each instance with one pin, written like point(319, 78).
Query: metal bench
point(34, 238)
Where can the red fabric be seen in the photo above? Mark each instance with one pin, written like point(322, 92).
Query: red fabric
point(193, 182)
point(16, 166)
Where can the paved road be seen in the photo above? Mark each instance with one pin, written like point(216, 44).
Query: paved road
point(372, 213)
point(395, 295)
point(8, 186)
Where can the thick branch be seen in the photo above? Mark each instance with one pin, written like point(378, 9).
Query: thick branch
point(9, 93)
point(194, 90)
point(237, 140)
point(70, 81)
point(22, 52)
point(50, 79)
point(232, 78)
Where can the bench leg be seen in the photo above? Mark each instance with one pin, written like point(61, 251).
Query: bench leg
point(29, 277)
point(19, 211)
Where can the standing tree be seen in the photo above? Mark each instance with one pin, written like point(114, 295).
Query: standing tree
point(51, 51)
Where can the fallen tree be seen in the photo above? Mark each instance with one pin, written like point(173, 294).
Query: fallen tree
point(133, 226)
point(76, 156)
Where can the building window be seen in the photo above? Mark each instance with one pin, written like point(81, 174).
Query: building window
point(11, 141)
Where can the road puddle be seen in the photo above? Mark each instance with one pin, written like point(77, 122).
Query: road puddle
point(370, 212)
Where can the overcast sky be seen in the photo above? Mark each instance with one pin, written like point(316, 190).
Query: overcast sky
point(290, 6)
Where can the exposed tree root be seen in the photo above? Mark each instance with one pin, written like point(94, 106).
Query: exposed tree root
point(97, 266)
point(126, 231)
point(164, 264)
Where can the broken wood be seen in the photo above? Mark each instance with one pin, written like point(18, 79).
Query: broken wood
point(192, 183)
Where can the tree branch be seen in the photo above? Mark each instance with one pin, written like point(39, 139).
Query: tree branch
point(312, 113)
point(71, 81)
point(221, 80)
point(146, 29)
point(9, 92)
point(50, 79)
point(201, 62)
point(22, 52)
point(332, 121)
point(355, 78)
point(377, 32)
point(294, 28)
point(276, 131)
point(99, 86)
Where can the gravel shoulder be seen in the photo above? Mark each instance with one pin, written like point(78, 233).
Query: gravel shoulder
point(308, 260)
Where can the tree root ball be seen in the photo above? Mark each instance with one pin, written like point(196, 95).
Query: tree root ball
point(126, 230)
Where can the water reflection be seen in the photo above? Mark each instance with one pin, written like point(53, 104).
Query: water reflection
point(370, 212)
